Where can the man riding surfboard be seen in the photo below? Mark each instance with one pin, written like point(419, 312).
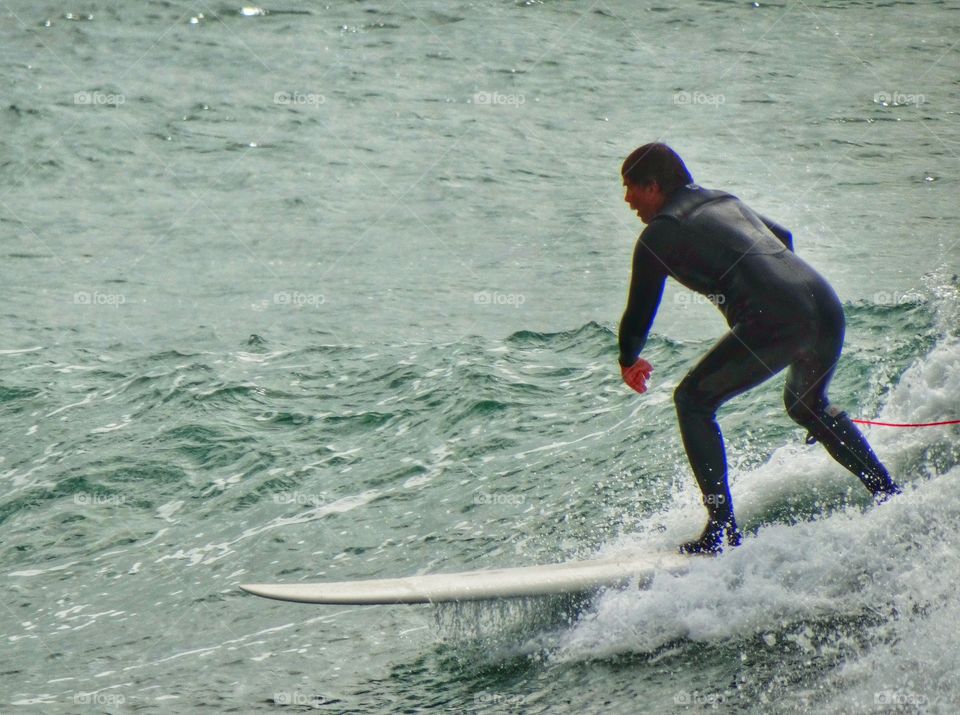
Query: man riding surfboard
point(782, 314)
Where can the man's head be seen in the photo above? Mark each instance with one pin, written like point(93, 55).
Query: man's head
point(650, 174)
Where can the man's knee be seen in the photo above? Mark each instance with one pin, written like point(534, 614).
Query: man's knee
point(810, 415)
point(799, 411)
point(689, 400)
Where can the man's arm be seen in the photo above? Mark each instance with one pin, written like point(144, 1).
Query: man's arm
point(786, 238)
point(646, 289)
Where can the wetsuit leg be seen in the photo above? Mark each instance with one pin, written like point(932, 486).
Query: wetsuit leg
point(805, 397)
point(742, 359)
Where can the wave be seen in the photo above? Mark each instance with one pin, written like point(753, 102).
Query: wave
point(863, 592)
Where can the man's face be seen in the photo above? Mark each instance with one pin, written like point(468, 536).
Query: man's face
point(645, 200)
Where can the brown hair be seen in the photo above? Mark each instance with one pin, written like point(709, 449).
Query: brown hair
point(656, 162)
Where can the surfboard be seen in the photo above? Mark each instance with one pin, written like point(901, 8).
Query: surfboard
point(544, 580)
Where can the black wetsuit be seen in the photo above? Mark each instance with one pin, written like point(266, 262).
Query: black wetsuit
point(781, 313)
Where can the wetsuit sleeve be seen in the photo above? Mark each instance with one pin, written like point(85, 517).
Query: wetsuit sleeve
point(646, 289)
point(786, 238)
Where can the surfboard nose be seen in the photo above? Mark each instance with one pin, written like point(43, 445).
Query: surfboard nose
point(257, 589)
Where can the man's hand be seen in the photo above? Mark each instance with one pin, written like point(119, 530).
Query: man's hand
point(637, 375)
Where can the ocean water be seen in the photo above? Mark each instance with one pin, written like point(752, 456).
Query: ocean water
point(330, 291)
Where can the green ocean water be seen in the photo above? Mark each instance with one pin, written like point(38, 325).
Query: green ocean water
point(325, 292)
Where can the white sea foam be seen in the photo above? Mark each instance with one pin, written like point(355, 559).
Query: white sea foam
point(890, 571)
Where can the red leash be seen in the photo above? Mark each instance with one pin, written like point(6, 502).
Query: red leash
point(907, 424)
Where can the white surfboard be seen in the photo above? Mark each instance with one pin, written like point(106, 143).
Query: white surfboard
point(550, 579)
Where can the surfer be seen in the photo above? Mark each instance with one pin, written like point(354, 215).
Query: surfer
point(781, 314)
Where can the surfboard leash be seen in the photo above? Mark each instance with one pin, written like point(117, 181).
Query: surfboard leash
point(906, 424)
